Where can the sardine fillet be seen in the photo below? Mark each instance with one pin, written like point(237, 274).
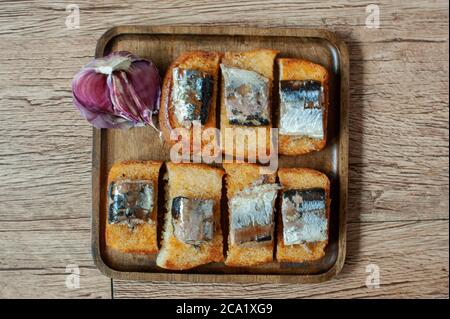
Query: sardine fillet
point(142, 239)
point(196, 181)
point(302, 178)
point(246, 137)
point(239, 177)
point(303, 70)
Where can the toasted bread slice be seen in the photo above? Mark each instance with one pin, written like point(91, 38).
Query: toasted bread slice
point(202, 61)
point(141, 239)
point(297, 69)
point(239, 177)
point(196, 181)
point(302, 178)
point(244, 137)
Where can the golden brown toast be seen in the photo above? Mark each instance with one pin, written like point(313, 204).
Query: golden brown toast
point(302, 178)
point(262, 62)
point(203, 61)
point(298, 69)
point(192, 181)
point(142, 239)
point(239, 177)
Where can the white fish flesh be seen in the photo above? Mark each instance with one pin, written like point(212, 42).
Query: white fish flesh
point(252, 214)
point(130, 202)
point(246, 97)
point(193, 219)
point(301, 108)
point(304, 216)
point(191, 96)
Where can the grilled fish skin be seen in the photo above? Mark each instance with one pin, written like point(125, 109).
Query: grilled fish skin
point(304, 216)
point(301, 108)
point(130, 202)
point(246, 97)
point(193, 219)
point(191, 95)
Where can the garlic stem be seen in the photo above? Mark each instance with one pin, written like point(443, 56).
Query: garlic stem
point(116, 63)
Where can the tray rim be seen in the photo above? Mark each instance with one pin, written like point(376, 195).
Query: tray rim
point(343, 156)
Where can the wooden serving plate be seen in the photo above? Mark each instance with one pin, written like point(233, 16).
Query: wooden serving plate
point(162, 44)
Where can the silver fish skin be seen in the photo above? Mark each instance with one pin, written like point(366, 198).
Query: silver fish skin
point(193, 219)
point(252, 214)
point(130, 202)
point(246, 97)
point(304, 216)
point(301, 108)
point(191, 96)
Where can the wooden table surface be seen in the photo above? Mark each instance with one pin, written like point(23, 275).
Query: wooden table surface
point(399, 123)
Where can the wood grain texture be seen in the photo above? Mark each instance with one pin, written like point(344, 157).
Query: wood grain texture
point(410, 266)
point(398, 135)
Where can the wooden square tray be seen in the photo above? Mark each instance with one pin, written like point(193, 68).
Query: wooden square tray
point(162, 44)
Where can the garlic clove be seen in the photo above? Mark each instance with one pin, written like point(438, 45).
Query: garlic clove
point(144, 78)
point(91, 91)
point(100, 119)
point(131, 94)
point(124, 98)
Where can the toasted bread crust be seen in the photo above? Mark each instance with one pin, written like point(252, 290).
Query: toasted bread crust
point(302, 178)
point(193, 181)
point(238, 177)
point(260, 61)
point(298, 69)
point(196, 60)
point(143, 239)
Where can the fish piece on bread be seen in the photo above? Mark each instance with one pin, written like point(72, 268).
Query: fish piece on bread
point(251, 200)
point(246, 102)
point(303, 225)
point(189, 95)
point(192, 231)
point(132, 206)
point(304, 100)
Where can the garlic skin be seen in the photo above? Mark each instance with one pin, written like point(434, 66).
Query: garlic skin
point(120, 90)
